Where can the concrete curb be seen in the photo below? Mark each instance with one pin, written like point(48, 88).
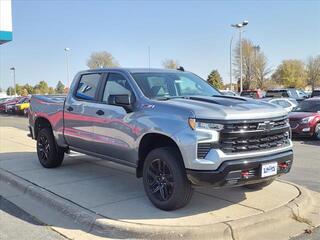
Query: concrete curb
point(286, 217)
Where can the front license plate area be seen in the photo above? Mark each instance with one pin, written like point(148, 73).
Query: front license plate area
point(269, 169)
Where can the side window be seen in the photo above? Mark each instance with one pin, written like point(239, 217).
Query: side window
point(116, 84)
point(87, 86)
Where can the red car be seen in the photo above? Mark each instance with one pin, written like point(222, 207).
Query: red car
point(305, 119)
point(8, 105)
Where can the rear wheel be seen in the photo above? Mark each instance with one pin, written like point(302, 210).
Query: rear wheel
point(259, 185)
point(165, 180)
point(49, 154)
point(317, 132)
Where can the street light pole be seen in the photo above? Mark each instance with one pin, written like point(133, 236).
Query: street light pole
point(240, 40)
point(240, 26)
point(14, 79)
point(67, 65)
point(231, 63)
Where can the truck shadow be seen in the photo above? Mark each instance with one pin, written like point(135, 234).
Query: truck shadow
point(112, 191)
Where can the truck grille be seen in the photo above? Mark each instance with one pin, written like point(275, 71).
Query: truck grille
point(254, 135)
point(245, 144)
point(247, 136)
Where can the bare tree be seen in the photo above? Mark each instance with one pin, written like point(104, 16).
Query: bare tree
point(313, 71)
point(261, 69)
point(254, 64)
point(101, 60)
point(170, 63)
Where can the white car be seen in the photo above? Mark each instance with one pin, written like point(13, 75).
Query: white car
point(287, 103)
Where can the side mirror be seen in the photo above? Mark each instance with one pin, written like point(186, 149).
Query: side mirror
point(123, 100)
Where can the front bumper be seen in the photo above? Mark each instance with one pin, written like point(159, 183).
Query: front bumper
point(230, 172)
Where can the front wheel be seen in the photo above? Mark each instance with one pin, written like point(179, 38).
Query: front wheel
point(49, 154)
point(165, 180)
point(257, 186)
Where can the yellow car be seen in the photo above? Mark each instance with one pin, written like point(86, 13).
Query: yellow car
point(22, 107)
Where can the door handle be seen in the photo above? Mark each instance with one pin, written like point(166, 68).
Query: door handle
point(70, 109)
point(100, 112)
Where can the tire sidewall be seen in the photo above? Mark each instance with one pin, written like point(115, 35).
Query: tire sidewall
point(54, 159)
point(173, 161)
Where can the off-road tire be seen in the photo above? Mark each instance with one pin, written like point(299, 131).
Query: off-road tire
point(49, 153)
point(178, 188)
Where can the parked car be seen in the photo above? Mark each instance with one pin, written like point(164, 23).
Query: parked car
point(286, 93)
point(228, 93)
point(8, 106)
point(287, 103)
point(174, 128)
point(256, 94)
point(302, 94)
point(22, 107)
point(315, 93)
point(305, 119)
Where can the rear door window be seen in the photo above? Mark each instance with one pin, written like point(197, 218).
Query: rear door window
point(87, 87)
point(116, 84)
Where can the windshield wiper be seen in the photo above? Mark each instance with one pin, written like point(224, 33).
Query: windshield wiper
point(171, 97)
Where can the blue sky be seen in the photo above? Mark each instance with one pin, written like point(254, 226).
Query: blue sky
point(197, 33)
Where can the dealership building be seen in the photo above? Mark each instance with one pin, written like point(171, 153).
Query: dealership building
point(5, 21)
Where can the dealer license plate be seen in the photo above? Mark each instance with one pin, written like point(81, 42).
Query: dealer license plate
point(269, 169)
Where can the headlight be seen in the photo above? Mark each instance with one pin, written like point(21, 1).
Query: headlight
point(196, 124)
point(306, 120)
point(206, 131)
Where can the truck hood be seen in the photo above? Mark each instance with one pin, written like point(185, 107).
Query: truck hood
point(228, 107)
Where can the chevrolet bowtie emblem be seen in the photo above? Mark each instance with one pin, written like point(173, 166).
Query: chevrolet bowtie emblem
point(266, 126)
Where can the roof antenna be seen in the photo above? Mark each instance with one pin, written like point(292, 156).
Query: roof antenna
point(180, 68)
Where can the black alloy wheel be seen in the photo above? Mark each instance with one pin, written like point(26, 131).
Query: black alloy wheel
point(160, 180)
point(165, 180)
point(50, 155)
point(44, 148)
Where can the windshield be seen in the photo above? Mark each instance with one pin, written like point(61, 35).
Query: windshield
point(308, 106)
point(171, 85)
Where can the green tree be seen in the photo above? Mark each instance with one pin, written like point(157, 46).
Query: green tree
point(313, 71)
point(41, 88)
point(170, 63)
point(101, 60)
point(10, 91)
point(24, 92)
point(60, 88)
point(29, 88)
point(215, 79)
point(19, 89)
point(51, 90)
point(290, 73)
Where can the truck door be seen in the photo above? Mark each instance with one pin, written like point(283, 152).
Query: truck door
point(114, 133)
point(79, 112)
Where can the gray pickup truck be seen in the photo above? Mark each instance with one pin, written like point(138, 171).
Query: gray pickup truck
point(175, 129)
